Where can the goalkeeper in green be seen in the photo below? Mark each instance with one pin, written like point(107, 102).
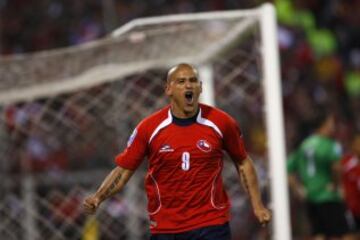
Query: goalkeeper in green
point(314, 171)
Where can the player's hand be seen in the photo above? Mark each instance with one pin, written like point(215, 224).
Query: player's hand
point(263, 215)
point(91, 204)
point(300, 193)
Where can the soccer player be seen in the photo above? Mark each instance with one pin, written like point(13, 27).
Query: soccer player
point(184, 144)
point(314, 172)
point(351, 180)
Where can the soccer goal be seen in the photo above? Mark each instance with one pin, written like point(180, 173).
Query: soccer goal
point(65, 113)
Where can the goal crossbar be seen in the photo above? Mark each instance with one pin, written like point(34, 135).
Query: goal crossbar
point(108, 72)
point(174, 18)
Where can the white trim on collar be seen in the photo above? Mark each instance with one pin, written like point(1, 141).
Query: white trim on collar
point(208, 123)
point(162, 125)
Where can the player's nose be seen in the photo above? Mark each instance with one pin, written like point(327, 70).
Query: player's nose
point(188, 84)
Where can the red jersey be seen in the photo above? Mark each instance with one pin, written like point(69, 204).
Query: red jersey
point(351, 182)
point(185, 159)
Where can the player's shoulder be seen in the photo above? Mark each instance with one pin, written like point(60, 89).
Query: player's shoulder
point(214, 113)
point(155, 119)
point(330, 143)
point(222, 120)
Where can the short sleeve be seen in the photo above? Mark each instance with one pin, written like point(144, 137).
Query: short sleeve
point(335, 152)
point(135, 151)
point(233, 141)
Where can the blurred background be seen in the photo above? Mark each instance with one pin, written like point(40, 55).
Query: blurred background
point(319, 44)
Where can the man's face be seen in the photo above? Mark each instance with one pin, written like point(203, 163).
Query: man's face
point(331, 124)
point(184, 88)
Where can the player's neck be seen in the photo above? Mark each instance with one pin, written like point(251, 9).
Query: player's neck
point(323, 132)
point(180, 113)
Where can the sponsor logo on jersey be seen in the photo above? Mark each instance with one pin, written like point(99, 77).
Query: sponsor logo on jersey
point(203, 145)
point(166, 148)
point(132, 137)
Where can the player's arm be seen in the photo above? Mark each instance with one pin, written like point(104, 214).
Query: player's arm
point(112, 184)
point(336, 171)
point(336, 176)
point(249, 179)
point(295, 185)
point(234, 145)
point(127, 162)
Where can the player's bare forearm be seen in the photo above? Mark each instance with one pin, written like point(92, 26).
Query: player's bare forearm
point(336, 174)
point(296, 187)
point(113, 183)
point(249, 180)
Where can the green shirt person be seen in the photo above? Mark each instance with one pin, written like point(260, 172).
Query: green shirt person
point(314, 170)
point(313, 163)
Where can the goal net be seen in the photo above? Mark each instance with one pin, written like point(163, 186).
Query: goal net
point(65, 114)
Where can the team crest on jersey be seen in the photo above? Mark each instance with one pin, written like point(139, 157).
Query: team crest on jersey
point(166, 148)
point(203, 145)
point(132, 137)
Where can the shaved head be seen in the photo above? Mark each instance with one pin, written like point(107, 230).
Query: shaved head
point(183, 88)
point(180, 67)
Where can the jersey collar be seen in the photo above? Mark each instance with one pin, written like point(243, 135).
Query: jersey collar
point(185, 121)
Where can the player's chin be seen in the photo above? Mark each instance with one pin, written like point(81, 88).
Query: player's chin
point(189, 108)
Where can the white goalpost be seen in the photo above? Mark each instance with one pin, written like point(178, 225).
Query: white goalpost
point(82, 103)
point(275, 124)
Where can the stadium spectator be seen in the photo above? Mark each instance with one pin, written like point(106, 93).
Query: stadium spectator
point(184, 143)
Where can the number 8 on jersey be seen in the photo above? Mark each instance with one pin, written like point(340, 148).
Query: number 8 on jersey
point(185, 157)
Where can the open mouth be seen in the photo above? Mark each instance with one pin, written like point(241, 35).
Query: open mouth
point(189, 97)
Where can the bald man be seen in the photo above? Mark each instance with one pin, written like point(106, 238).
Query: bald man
point(184, 145)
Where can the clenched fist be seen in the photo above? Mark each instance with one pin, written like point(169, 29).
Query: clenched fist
point(263, 215)
point(90, 204)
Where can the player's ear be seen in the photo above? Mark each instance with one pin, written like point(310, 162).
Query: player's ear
point(200, 86)
point(168, 90)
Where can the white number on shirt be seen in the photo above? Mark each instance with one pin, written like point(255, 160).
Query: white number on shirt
point(185, 161)
point(311, 166)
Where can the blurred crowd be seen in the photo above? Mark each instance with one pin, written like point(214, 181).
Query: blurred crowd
point(320, 54)
point(28, 26)
point(319, 44)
